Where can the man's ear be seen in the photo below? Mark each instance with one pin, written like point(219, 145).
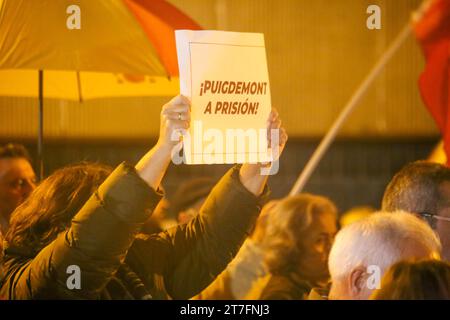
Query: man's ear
point(357, 281)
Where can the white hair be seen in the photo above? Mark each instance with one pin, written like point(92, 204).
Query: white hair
point(380, 240)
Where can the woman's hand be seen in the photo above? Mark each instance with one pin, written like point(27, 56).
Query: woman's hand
point(175, 118)
point(254, 176)
point(274, 123)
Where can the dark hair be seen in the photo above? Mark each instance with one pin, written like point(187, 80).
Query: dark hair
point(52, 205)
point(423, 280)
point(415, 188)
point(14, 150)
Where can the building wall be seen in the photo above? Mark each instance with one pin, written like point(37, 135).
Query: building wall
point(352, 173)
point(318, 52)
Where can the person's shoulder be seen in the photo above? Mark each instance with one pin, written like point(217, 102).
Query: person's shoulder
point(281, 287)
point(11, 271)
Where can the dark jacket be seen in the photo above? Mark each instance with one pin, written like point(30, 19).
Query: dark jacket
point(116, 262)
point(286, 287)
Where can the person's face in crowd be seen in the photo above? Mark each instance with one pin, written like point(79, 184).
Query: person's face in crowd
point(442, 227)
point(359, 284)
point(17, 180)
point(316, 246)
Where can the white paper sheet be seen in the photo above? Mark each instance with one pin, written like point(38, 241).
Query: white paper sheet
point(226, 78)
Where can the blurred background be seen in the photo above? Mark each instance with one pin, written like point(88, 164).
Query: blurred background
point(318, 52)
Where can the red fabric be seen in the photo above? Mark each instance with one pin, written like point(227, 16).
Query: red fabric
point(159, 20)
point(433, 34)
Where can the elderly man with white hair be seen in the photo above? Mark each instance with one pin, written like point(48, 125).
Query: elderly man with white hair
point(371, 246)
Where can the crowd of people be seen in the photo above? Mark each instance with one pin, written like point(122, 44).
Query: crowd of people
point(224, 240)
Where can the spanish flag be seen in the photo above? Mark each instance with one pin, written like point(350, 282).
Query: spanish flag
point(432, 29)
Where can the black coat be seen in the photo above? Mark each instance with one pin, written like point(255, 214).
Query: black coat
point(286, 287)
point(116, 262)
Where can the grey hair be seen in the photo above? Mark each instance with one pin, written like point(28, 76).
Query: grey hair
point(286, 224)
point(380, 240)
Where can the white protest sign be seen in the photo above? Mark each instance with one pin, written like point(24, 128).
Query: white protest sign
point(225, 76)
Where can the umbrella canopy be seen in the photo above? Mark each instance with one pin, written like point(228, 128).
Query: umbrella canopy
point(85, 49)
point(123, 48)
point(72, 85)
point(122, 36)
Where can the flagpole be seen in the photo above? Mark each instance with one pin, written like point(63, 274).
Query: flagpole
point(40, 146)
point(348, 108)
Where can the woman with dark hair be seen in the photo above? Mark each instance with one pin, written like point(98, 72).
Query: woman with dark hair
point(76, 236)
point(53, 205)
point(415, 280)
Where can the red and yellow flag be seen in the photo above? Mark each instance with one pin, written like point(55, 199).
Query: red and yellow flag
point(432, 30)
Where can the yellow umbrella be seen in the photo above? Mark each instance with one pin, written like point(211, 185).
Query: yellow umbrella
point(72, 85)
point(88, 49)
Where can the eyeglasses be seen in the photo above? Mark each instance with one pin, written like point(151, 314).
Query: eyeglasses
point(431, 219)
